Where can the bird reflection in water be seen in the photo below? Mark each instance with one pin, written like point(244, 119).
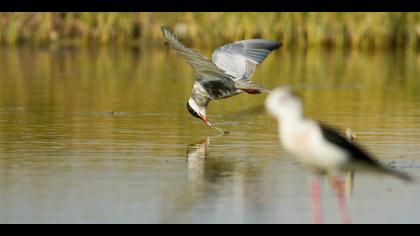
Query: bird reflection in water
point(208, 178)
point(196, 161)
point(202, 169)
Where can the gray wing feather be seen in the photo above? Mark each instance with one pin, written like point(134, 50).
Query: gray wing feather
point(240, 59)
point(200, 64)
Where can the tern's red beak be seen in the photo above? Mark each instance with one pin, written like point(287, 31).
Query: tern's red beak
point(206, 120)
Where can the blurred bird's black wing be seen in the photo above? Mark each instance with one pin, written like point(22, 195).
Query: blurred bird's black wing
point(357, 154)
point(200, 64)
point(240, 59)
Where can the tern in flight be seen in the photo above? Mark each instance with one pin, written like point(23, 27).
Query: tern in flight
point(227, 75)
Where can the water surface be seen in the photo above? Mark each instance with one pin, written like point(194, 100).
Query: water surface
point(103, 135)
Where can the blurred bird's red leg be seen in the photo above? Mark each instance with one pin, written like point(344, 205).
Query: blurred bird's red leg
point(316, 201)
point(339, 186)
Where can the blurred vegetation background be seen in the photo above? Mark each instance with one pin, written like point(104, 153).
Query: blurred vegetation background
point(341, 30)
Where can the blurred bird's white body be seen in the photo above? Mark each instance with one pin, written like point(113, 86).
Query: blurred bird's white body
point(303, 138)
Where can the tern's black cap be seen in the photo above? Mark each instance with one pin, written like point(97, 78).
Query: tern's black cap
point(192, 112)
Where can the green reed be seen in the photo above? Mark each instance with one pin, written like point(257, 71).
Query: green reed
point(343, 30)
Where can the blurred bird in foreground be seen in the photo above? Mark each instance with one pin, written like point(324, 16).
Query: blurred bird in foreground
point(317, 146)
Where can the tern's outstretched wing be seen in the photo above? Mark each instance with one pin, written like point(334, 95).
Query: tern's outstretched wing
point(240, 59)
point(200, 64)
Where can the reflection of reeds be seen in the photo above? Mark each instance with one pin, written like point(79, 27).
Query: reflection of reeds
point(358, 30)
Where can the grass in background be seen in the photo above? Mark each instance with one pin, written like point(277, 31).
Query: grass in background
point(342, 30)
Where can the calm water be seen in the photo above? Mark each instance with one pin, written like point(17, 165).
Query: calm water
point(103, 135)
